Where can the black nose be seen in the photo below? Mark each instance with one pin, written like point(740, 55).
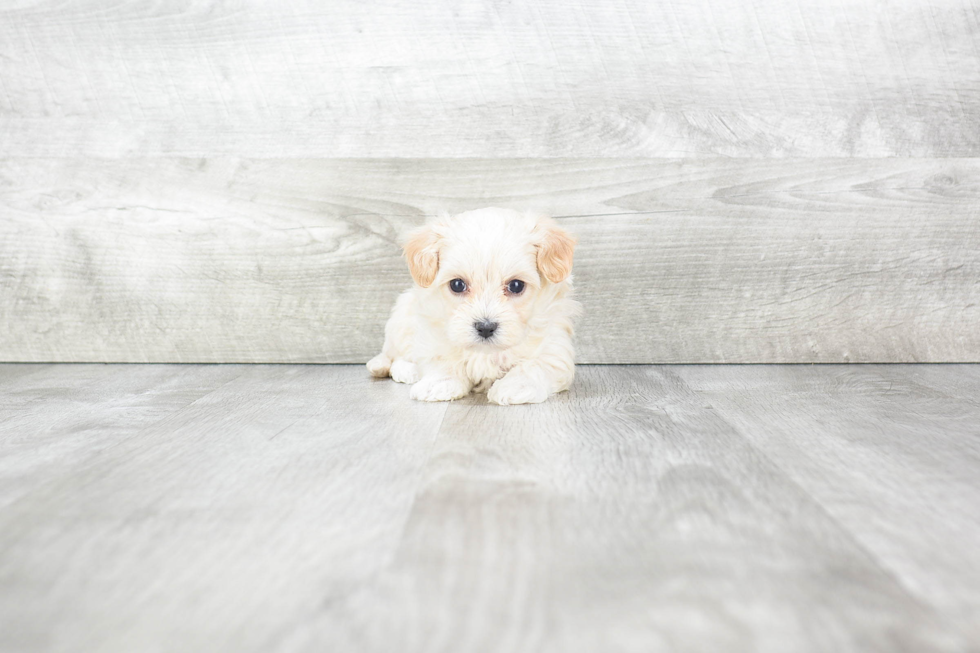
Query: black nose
point(485, 328)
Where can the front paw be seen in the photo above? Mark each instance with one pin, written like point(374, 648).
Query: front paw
point(439, 388)
point(403, 371)
point(516, 390)
point(379, 365)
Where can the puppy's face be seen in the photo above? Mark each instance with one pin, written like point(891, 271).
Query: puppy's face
point(483, 272)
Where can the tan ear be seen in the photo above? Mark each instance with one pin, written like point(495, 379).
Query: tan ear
point(556, 249)
point(422, 253)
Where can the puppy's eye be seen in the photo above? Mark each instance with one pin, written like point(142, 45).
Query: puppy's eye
point(457, 286)
point(516, 287)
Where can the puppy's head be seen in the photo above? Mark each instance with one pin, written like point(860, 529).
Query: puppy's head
point(484, 271)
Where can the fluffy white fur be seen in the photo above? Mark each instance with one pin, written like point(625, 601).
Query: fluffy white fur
point(431, 339)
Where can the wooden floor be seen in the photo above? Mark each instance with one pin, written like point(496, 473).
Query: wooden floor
point(651, 508)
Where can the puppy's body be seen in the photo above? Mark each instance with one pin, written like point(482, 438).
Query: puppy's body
point(516, 346)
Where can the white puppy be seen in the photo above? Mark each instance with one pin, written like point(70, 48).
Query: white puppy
point(491, 309)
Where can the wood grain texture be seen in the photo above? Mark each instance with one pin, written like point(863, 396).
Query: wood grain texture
point(880, 447)
point(476, 79)
point(210, 530)
point(624, 515)
point(680, 261)
point(87, 409)
point(311, 508)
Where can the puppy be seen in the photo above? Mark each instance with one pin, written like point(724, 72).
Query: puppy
point(490, 311)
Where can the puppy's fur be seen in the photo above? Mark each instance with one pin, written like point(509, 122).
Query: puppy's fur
point(515, 346)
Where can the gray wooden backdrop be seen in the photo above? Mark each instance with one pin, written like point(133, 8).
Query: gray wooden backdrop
point(751, 181)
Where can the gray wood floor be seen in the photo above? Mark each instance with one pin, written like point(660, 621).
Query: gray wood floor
point(651, 508)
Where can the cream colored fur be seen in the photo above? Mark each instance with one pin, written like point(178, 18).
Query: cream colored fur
point(431, 339)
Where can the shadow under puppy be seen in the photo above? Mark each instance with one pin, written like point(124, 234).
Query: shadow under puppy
point(490, 311)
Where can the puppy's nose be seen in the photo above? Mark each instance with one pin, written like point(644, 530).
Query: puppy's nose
point(485, 328)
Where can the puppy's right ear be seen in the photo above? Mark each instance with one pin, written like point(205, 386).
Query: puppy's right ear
point(422, 254)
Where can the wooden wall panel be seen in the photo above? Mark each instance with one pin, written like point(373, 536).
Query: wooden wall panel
point(227, 259)
point(226, 181)
point(569, 78)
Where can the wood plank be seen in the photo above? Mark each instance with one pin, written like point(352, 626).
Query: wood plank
point(240, 260)
point(384, 79)
point(271, 496)
point(10, 373)
point(624, 515)
point(891, 452)
point(57, 418)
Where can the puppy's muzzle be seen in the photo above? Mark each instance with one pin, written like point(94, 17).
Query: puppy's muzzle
point(485, 328)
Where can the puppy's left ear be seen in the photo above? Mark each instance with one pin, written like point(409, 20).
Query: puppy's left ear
point(422, 254)
point(556, 248)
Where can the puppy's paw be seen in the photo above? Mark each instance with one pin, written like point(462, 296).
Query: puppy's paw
point(439, 388)
point(378, 366)
point(516, 389)
point(404, 371)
